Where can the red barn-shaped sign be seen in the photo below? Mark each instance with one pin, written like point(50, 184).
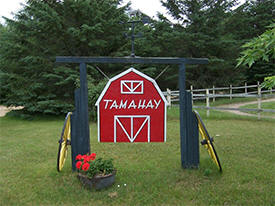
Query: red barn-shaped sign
point(131, 108)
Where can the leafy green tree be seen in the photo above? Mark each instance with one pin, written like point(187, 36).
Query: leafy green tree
point(246, 22)
point(45, 29)
point(261, 48)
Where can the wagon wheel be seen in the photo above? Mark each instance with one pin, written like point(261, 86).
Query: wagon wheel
point(207, 141)
point(64, 141)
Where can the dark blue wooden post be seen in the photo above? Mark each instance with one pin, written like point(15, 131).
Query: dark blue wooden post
point(188, 126)
point(183, 119)
point(80, 132)
point(75, 127)
point(192, 134)
point(84, 120)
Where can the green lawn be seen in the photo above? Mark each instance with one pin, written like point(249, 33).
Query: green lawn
point(264, 105)
point(224, 101)
point(151, 171)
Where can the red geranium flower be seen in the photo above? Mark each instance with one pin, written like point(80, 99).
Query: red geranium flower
point(85, 166)
point(87, 159)
point(78, 157)
point(92, 156)
point(78, 164)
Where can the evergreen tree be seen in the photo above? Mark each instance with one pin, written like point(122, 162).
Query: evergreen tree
point(202, 29)
point(214, 30)
point(45, 29)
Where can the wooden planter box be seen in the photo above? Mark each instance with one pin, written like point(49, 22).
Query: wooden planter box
point(97, 182)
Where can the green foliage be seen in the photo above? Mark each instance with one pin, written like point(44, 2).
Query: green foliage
point(201, 32)
point(94, 90)
point(269, 82)
point(207, 172)
point(100, 167)
point(261, 48)
point(91, 166)
point(214, 30)
point(43, 30)
point(252, 20)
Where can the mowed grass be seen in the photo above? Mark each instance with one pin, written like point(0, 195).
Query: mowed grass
point(264, 105)
point(224, 101)
point(151, 171)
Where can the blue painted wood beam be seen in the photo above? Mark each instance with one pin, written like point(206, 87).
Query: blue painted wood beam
point(132, 60)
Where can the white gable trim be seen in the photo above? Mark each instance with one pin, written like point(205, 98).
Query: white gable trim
point(126, 72)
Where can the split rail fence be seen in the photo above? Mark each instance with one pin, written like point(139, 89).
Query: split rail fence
point(246, 91)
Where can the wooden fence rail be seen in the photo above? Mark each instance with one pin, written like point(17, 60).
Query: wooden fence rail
point(224, 92)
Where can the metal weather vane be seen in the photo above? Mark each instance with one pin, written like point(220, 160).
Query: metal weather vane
point(133, 36)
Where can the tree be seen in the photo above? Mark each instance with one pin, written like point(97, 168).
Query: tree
point(261, 48)
point(216, 30)
point(201, 31)
point(45, 29)
point(247, 22)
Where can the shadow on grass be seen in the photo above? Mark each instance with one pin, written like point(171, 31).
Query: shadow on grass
point(23, 115)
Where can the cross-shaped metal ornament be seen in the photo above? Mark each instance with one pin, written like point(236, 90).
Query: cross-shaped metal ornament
point(144, 20)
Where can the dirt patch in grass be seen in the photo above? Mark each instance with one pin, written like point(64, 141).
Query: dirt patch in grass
point(243, 104)
point(4, 110)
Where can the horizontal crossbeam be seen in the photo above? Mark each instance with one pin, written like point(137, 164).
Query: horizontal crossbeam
point(133, 60)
